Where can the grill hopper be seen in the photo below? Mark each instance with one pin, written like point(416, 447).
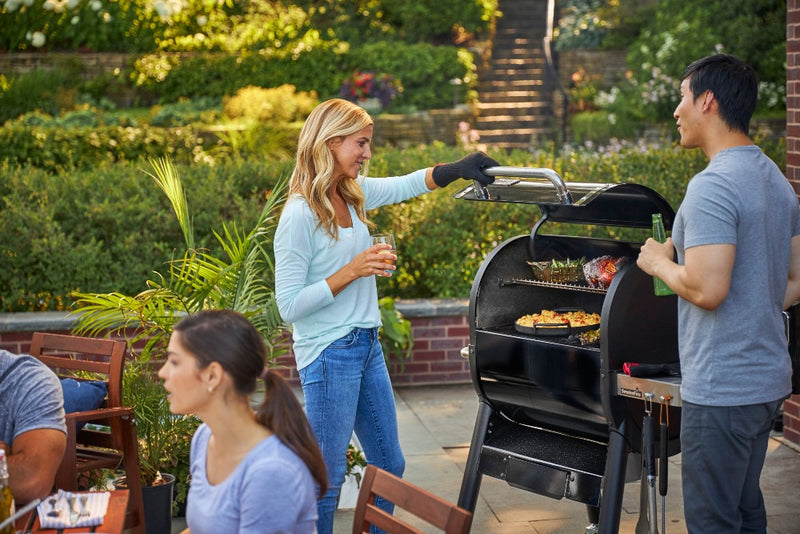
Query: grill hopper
point(551, 418)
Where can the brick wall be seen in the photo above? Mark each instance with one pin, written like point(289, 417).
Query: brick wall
point(791, 415)
point(440, 331)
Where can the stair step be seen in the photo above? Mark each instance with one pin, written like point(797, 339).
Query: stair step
point(512, 84)
point(515, 103)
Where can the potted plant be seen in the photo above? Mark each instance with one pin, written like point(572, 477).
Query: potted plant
point(241, 281)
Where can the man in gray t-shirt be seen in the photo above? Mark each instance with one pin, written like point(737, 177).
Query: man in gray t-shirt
point(32, 427)
point(737, 238)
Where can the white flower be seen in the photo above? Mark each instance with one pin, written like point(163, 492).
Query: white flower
point(11, 5)
point(106, 17)
point(72, 4)
point(202, 20)
point(28, 3)
point(75, 20)
point(49, 5)
point(28, 36)
point(95, 5)
point(38, 39)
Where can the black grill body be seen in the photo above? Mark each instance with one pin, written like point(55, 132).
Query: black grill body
point(551, 418)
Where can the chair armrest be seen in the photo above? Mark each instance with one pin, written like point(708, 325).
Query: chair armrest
point(100, 413)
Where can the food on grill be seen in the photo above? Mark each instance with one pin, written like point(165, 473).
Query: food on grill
point(558, 271)
point(599, 272)
point(555, 319)
point(589, 338)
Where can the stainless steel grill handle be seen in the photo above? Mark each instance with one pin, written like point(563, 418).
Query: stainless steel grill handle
point(564, 196)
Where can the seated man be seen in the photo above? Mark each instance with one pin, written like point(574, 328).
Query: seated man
point(32, 428)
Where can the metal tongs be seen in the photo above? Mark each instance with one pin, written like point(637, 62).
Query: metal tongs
point(648, 513)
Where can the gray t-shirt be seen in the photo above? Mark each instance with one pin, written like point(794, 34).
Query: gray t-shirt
point(30, 397)
point(737, 354)
point(271, 491)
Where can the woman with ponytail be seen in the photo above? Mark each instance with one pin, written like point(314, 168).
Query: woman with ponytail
point(252, 471)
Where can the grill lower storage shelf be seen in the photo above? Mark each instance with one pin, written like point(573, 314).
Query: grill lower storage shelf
point(544, 462)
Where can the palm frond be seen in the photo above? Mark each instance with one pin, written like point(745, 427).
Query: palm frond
point(166, 177)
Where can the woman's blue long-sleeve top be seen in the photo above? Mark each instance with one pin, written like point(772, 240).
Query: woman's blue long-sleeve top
point(305, 255)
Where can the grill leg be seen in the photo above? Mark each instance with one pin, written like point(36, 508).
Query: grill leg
point(471, 483)
point(613, 481)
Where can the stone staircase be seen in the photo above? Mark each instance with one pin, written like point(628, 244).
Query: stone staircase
point(515, 109)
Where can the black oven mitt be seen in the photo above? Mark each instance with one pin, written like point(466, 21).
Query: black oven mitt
point(469, 167)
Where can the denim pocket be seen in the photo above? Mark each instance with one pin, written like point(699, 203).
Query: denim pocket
point(344, 342)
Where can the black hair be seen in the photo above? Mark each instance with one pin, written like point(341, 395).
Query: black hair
point(228, 338)
point(733, 83)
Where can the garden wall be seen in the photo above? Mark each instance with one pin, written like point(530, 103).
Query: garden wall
point(440, 329)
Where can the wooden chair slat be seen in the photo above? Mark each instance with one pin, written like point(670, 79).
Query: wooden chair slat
point(421, 503)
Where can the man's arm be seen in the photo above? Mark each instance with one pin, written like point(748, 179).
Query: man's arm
point(705, 277)
point(33, 462)
point(793, 286)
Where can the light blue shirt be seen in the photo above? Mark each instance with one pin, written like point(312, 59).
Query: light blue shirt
point(271, 491)
point(305, 255)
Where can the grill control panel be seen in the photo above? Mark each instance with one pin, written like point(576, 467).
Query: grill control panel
point(668, 387)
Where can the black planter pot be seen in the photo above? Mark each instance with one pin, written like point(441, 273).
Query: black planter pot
point(157, 504)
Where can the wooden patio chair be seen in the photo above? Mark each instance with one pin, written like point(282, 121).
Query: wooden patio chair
point(89, 448)
point(413, 499)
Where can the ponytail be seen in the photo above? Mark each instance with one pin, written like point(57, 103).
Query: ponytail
point(282, 414)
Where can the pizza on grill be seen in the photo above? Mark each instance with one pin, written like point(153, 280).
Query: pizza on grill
point(558, 319)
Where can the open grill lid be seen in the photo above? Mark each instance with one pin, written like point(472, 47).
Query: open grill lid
point(629, 205)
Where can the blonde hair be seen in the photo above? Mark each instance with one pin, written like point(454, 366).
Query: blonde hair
point(313, 175)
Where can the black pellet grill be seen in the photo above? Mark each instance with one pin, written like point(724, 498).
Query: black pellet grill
point(555, 417)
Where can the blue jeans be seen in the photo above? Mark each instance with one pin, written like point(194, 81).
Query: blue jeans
point(348, 388)
point(722, 453)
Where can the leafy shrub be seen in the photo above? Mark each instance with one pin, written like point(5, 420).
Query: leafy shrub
point(439, 21)
point(107, 228)
point(602, 126)
point(185, 111)
point(171, 77)
point(45, 90)
point(425, 70)
point(276, 104)
point(54, 147)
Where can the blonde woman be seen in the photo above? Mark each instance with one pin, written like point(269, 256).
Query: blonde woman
point(325, 268)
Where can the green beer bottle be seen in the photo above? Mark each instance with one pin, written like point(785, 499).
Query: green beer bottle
point(6, 497)
point(659, 234)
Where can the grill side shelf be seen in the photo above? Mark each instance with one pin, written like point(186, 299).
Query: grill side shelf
point(555, 285)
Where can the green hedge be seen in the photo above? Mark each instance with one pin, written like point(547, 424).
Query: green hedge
point(425, 71)
point(107, 228)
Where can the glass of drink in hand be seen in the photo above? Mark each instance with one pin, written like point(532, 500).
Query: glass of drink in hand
point(386, 239)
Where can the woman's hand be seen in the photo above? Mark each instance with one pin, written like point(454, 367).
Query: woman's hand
point(377, 260)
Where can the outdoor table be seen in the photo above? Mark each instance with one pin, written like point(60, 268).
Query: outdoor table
point(113, 523)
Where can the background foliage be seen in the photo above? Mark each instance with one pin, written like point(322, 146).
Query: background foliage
point(106, 228)
point(663, 36)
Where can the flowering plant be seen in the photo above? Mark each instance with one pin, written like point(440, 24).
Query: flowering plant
point(355, 459)
point(360, 86)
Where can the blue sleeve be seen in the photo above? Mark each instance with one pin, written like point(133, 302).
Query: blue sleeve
point(383, 191)
point(293, 245)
